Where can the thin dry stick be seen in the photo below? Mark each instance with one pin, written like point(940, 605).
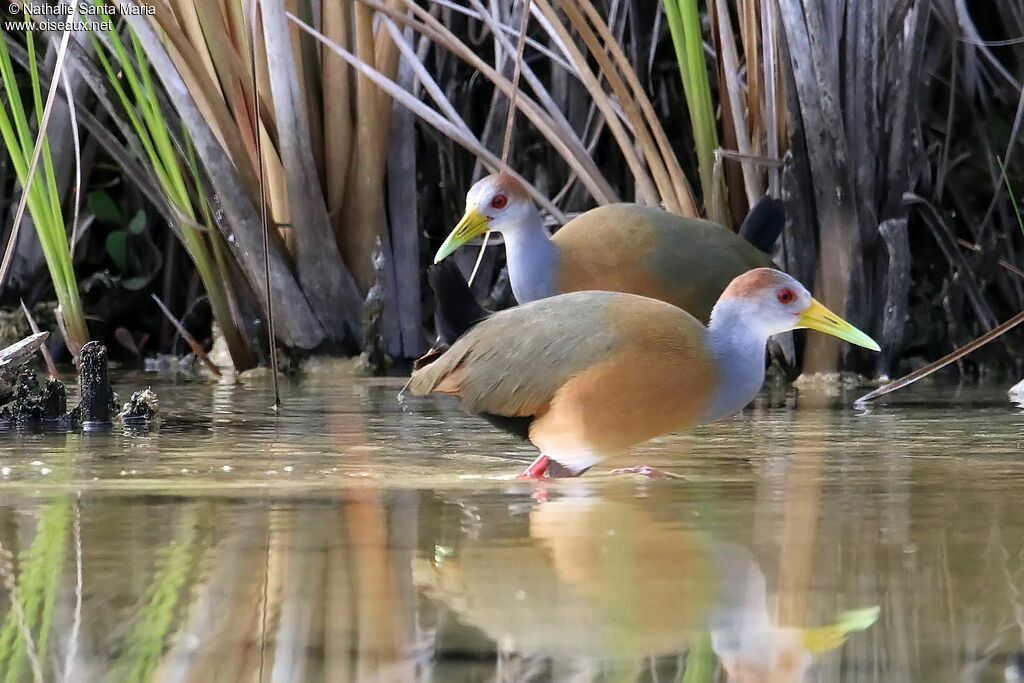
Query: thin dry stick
point(646, 118)
point(560, 135)
point(1012, 268)
point(50, 367)
point(1003, 262)
point(77, 196)
point(431, 117)
point(944, 361)
point(189, 339)
point(69, 659)
point(555, 58)
point(265, 594)
point(516, 72)
point(766, 162)
point(506, 146)
point(37, 150)
point(263, 211)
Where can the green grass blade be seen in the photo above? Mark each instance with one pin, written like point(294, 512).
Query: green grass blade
point(42, 198)
point(1009, 190)
point(146, 641)
point(684, 26)
point(36, 590)
point(174, 174)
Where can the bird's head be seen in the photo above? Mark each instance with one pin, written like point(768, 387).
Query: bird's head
point(496, 202)
point(773, 302)
point(768, 653)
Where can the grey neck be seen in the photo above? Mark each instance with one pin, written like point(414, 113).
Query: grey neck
point(532, 259)
point(738, 350)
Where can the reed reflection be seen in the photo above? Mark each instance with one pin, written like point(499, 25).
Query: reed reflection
point(142, 558)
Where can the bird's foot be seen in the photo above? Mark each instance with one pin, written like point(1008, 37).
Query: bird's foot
point(540, 494)
point(536, 470)
point(644, 470)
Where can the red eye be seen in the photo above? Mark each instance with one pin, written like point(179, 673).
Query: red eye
point(499, 201)
point(786, 296)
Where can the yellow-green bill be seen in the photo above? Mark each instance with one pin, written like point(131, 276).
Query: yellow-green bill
point(824, 638)
point(817, 317)
point(473, 223)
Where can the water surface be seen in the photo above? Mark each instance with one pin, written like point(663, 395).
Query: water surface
point(356, 538)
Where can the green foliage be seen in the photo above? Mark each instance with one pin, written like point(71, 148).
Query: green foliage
point(103, 207)
point(145, 642)
point(1013, 198)
point(130, 248)
point(117, 248)
point(684, 24)
point(700, 660)
point(43, 194)
point(36, 591)
point(175, 176)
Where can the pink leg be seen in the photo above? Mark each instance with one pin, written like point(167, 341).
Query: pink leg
point(536, 469)
point(641, 469)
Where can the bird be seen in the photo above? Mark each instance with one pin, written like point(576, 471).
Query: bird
point(618, 247)
point(586, 375)
point(752, 646)
point(585, 579)
point(590, 580)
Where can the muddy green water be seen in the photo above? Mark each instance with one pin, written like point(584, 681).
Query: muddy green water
point(354, 538)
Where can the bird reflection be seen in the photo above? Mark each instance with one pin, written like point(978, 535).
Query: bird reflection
point(751, 646)
point(591, 584)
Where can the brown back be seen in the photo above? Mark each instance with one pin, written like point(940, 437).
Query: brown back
point(514, 362)
point(686, 262)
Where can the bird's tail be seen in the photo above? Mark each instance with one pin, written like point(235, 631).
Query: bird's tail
point(457, 310)
point(764, 223)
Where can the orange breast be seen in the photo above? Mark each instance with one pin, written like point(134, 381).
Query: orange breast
point(661, 379)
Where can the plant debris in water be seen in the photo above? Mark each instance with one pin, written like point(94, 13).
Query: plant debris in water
point(142, 407)
point(12, 358)
point(34, 405)
point(30, 403)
